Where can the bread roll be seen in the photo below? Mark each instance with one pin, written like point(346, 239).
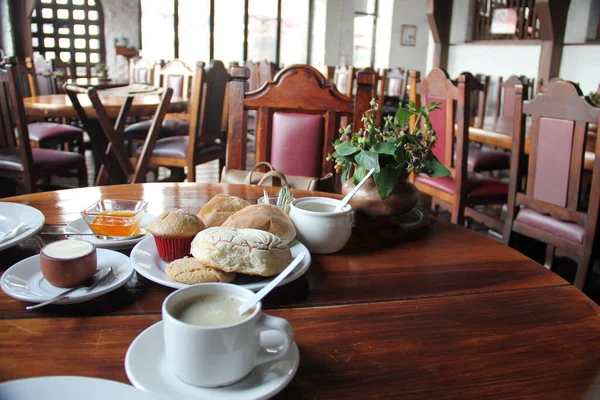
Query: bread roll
point(219, 208)
point(266, 218)
point(246, 251)
point(191, 271)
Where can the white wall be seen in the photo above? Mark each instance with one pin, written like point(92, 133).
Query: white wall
point(339, 32)
point(317, 55)
point(581, 64)
point(410, 12)
point(120, 20)
point(383, 35)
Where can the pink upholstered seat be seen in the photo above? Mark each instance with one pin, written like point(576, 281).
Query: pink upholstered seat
point(482, 159)
point(476, 187)
point(567, 230)
point(40, 131)
point(42, 159)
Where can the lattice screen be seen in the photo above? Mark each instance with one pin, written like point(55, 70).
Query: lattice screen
point(71, 30)
point(527, 22)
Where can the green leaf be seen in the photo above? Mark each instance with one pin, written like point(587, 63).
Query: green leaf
point(384, 148)
point(434, 168)
point(412, 104)
point(346, 149)
point(337, 156)
point(368, 160)
point(403, 115)
point(385, 180)
point(400, 157)
point(345, 171)
point(359, 173)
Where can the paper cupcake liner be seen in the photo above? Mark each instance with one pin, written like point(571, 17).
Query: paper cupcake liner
point(171, 249)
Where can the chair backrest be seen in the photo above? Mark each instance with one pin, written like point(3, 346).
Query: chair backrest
point(42, 80)
point(298, 117)
point(12, 118)
point(453, 111)
point(327, 71)
point(344, 79)
point(559, 127)
point(253, 79)
point(177, 76)
point(396, 80)
point(207, 103)
point(478, 97)
point(505, 105)
point(141, 71)
point(266, 72)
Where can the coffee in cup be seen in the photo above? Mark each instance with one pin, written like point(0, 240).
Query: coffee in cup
point(207, 344)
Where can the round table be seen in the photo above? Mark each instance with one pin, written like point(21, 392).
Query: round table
point(442, 312)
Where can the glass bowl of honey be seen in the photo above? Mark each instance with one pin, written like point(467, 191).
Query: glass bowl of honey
point(115, 217)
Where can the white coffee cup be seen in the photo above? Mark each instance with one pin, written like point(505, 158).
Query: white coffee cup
point(211, 356)
point(318, 226)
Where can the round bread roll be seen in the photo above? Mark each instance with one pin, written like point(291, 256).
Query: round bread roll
point(265, 217)
point(246, 251)
point(191, 271)
point(219, 208)
point(175, 223)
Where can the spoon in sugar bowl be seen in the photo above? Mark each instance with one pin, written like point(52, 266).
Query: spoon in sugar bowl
point(347, 198)
point(258, 296)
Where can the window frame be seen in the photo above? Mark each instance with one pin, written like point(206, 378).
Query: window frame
point(374, 34)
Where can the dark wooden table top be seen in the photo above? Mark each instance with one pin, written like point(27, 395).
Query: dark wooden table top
point(442, 312)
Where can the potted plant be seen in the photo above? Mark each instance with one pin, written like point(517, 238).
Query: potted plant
point(394, 151)
point(101, 70)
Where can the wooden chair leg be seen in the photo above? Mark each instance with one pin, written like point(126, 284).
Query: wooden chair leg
point(583, 269)
point(191, 172)
point(549, 257)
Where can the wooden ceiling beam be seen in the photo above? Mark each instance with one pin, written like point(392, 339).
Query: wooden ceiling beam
point(439, 16)
point(553, 21)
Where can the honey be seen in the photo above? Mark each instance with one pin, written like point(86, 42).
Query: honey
point(116, 223)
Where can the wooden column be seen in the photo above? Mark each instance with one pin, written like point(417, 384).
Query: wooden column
point(553, 21)
point(19, 18)
point(439, 16)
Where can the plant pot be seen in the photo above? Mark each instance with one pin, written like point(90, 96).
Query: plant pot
point(403, 198)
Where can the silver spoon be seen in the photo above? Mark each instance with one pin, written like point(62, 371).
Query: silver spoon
point(88, 285)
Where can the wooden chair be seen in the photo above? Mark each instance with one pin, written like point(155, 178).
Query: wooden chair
point(327, 71)
point(47, 135)
point(107, 139)
point(18, 161)
point(550, 207)
point(458, 192)
point(298, 118)
point(478, 98)
point(392, 91)
point(206, 140)
point(344, 78)
point(505, 101)
point(141, 71)
point(253, 79)
point(266, 72)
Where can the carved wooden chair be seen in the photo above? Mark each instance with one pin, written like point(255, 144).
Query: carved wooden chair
point(18, 161)
point(328, 71)
point(107, 138)
point(177, 76)
point(206, 140)
point(344, 78)
point(392, 91)
point(253, 79)
point(505, 99)
point(48, 135)
point(141, 71)
point(550, 206)
point(266, 72)
point(299, 115)
point(459, 192)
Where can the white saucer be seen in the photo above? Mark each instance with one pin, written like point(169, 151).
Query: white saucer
point(11, 215)
point(146, 368)
point(24, 280)
point(70, 388)
point(80, 226)
point(147, 263)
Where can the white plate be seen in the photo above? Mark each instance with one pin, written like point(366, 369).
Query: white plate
point(70, 388)
point(80, 226)
point(146, 368)
point(147, 263)
point(11, 215)
point(24, 280)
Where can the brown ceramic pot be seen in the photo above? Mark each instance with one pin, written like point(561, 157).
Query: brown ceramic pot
point(403, 198)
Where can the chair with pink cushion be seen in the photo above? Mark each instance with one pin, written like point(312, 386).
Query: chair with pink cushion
point(461, 191)
point(298, 118)
point(550, 206)
point(18, 161)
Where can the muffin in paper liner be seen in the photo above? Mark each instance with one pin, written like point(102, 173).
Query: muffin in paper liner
point(173, 248)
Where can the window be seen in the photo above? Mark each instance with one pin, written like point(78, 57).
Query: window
point(71, 30)
point(227, 30)
point(505, 20)
point(364, 33)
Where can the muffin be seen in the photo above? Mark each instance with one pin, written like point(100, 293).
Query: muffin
point(173, 233)
point(191, 271)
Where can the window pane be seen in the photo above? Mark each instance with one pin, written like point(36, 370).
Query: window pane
point(78, 14)
point(363, 40)
point(79, 29)
point(229, 30)
point(64, 43)
point(194, 31)
point(62, 14)
point(294, 31)
point(364, 6)
point(262, 30)
point(158, 36)
point(93, 29)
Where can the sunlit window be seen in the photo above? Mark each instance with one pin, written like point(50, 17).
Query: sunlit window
point(158, 36)
point(364, 32)
point(262, 30)
point(194, 31)
point(53, 22)
point(229, 30)
point(294, 32)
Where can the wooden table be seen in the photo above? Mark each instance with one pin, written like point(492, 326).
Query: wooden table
point(98, 83)
point(497, 132)
point(439, 313)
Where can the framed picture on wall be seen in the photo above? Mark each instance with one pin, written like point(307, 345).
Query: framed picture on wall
point(408, 35)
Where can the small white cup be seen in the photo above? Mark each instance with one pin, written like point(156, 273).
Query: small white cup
point(211, 356)
point(318, 227)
